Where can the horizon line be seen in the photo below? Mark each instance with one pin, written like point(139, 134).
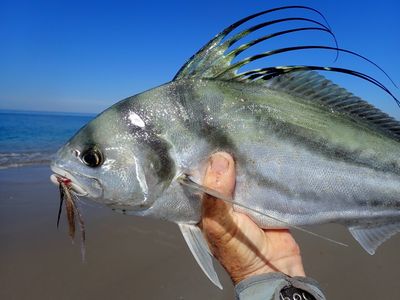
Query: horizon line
point(6, 110)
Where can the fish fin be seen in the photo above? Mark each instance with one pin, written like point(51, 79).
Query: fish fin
point(211, 59)
point(216, 61)
point(370, 238)
point(186, 181)
point(316, 88)
point(199, 248)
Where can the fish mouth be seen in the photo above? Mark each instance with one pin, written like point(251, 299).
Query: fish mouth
point(62, 176)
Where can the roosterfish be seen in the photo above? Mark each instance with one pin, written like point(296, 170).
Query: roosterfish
point(307, 151)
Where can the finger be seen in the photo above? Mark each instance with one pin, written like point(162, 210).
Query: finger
point(220, 176)
point(220, 173)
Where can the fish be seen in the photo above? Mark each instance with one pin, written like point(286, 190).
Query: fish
point(307, 151)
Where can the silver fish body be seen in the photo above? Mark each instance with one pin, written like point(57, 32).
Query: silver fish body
point(297, 162)
point(307, 151)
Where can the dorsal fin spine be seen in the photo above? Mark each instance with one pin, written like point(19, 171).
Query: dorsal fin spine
point(246, 32)
point(303, 85)
point(187, 71)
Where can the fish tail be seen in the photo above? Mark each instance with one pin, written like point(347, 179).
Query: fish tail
point(371, 237)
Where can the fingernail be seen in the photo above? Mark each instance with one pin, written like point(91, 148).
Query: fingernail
point(219, 164)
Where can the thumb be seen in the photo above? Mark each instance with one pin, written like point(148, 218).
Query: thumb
point(220, 176)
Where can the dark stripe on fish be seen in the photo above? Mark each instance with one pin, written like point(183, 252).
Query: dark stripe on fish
point(199, 123)
point(166, 168)
point(149, 137)
point(301, 137)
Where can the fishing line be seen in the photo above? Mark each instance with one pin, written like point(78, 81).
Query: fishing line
point(185, 180)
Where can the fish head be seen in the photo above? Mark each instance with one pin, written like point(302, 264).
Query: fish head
point(115, 160)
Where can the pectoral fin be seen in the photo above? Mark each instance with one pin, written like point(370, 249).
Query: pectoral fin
point(195, 240)
point(370, 238)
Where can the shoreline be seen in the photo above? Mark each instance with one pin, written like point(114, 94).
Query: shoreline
point(131, 257)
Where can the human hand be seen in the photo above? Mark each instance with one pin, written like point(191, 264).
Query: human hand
point(243, 248)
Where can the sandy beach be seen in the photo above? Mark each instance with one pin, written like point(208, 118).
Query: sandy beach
point(137, 258)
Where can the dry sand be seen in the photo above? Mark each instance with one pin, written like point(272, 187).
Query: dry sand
point(137, 258)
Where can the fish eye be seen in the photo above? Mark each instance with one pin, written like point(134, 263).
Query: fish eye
point(92, 157)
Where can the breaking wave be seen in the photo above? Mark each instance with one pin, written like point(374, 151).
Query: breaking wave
point(21, 159)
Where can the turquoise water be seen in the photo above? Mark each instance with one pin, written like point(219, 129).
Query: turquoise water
point(29, 138)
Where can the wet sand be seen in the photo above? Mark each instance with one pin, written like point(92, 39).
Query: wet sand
point(137, 258)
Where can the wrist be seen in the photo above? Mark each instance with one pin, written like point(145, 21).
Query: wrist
point(291, 266)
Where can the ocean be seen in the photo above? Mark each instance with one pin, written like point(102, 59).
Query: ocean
point(32, 138)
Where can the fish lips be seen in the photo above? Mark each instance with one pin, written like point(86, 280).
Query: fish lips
point(79, 189)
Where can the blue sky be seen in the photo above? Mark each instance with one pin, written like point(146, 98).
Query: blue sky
point(83, 56)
